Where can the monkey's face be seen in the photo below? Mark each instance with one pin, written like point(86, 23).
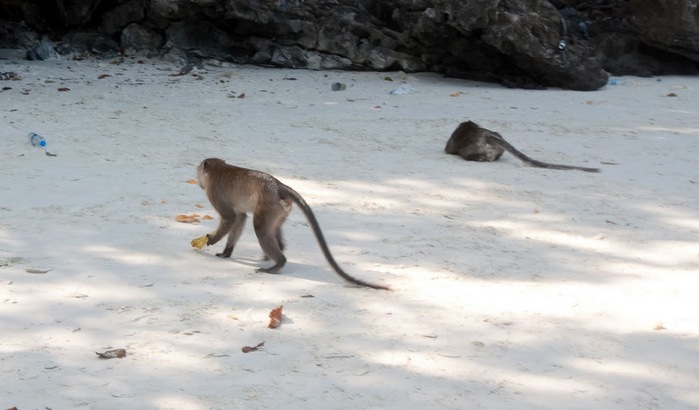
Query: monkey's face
point(202, 176)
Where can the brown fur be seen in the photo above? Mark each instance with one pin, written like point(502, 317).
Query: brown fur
point(234, 192)
point(474, 143)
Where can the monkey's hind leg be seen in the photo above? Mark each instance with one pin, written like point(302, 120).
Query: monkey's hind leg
point(268, 228)
point(280, 242)
point(236, 229)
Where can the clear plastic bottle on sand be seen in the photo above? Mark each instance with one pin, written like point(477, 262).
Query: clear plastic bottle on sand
point(37, 140)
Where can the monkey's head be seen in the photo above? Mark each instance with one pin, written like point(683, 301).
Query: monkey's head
point(205, 168)
point(468, 126)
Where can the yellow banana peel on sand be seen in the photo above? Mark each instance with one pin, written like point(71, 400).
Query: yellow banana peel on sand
point(200, 242)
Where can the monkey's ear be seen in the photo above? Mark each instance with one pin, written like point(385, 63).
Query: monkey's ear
point(205, 165)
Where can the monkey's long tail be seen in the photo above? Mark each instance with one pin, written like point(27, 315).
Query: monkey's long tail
point(539, 164)
point(296, 197)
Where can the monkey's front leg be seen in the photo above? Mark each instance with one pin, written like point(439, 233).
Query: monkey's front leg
point(223, 228)
point(235, 230)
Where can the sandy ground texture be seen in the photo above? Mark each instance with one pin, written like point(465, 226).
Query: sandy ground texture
point(513, 287)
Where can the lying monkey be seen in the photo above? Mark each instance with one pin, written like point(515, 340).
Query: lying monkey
point(474, 143)
point(235, 191)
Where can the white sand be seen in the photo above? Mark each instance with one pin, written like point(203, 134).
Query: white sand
point(514, 287)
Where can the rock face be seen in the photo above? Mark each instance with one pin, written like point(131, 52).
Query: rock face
point(520, 43)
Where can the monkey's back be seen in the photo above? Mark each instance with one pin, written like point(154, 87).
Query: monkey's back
point(474, 143)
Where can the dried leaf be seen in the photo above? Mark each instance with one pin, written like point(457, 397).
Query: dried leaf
point(198, 205)
point(248, 349)
point(207, 217)
point(275, 318)
point(659, 326)
point(187, 218)
point(112, 354)
point(101, 76)
point(191, 181)
point(672, 95)
point(30, 270)
point(454, 94)
point(64, 89)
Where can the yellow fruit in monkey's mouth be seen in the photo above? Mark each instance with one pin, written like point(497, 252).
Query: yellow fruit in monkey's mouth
point(200, 242)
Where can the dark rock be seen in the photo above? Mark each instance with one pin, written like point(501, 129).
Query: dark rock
point(640, 37)
point(532, 41)
point(201, 39)
point(137, 39)
point(74, 12)
point(519, 43)
point(296, 57)
point(670, 25)
point(88, 44)
point(17, 35)
point(43, 51)
point(116, 19)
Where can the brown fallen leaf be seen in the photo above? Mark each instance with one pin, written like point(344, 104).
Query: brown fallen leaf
point(198, 205)
point(191, 181)
point(64, 89)
point(101, 76)
point(672, 95)
point(30, 270)
point(189, 219)
point(275, 318)
point(112, 354)
point(207, 217)
point(248, 349)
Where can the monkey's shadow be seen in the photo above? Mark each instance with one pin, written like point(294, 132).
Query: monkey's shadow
point(247, 261)
point(291, 269)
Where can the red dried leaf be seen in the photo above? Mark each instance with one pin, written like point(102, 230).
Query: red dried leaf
point(112, 354)
point(275, 317)
point(248, 349)
point(64, 89)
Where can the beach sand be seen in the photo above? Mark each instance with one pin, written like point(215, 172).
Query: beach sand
point(513, 287)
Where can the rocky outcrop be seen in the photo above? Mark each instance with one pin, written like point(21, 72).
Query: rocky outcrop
point(670, 25)
point(520, 43)
point(641, 37)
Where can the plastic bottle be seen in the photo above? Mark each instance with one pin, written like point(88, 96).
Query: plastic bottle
point(37, 140)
